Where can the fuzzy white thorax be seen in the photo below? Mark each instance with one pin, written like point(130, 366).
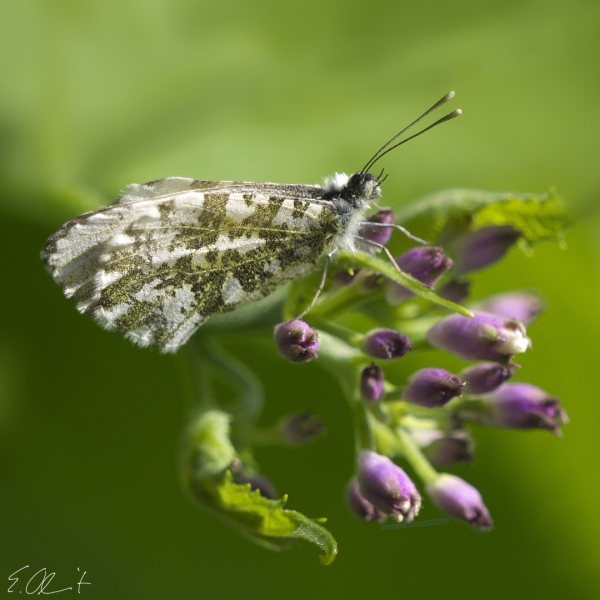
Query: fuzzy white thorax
point(350, 217)
point(337, 182)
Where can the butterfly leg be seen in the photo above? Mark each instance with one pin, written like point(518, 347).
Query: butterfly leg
point(408, 234)
point(321, 285)
point(389, 255)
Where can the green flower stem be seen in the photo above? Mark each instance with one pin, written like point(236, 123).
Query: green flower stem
point(415, 416)
point(466, 402)
point(413, 423)
point(234, 372)
point(204, 394)
point(414, 456)
point(471, 409)
point(345, 362)
point(419, 345)
point(386, 440)
point(390, 388)
point(378, 412)
point(363, 434)
point(270, 436)
point(368, 261)
point(348, 336)
point(416, 328)
point(394, 395)
point(337, 302)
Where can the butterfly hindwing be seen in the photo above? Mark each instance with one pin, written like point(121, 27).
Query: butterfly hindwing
point(170, 254)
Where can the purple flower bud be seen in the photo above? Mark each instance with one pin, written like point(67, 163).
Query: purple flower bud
point(460, 500)
point(432, 387)
point(483, 337)
point(484, 247)
point(257, 482)
point(301, 428)
point(381, 235)
point(372, 384)
point(485, 377)
point(360, 506)
point(296, 341)
point(523, 306)
point(445, 449)
point(387, 486)
point(522, 406)
point(385, 344)
point(456, 291)
point(425, 263)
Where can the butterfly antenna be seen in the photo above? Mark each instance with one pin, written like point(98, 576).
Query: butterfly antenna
point(448, 117)
point(379, 154)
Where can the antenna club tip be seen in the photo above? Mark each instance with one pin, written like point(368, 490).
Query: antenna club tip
point(450, 95)
point(458, 112)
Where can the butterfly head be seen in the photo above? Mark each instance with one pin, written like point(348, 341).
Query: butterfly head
point(362, 187)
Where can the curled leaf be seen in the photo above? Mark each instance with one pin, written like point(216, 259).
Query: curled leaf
point(259, 519)
point(207, 455)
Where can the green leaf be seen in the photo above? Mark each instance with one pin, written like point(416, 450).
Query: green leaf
point(539, 217)
point(207, 455)
point(268, 523)
point(259, 519)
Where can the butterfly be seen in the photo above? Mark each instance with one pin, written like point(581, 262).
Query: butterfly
point(169, 254)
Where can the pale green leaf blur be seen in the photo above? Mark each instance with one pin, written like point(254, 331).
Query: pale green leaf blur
point(98, 94)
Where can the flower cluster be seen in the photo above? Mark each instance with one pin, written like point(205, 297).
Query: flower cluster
point(390, 299)
point(424, 421)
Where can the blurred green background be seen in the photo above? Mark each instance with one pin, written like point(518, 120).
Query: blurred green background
point(98, 94)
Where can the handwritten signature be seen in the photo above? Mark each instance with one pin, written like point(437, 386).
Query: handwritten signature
point(40, 581)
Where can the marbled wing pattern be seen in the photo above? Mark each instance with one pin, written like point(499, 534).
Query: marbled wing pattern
point(169, 254)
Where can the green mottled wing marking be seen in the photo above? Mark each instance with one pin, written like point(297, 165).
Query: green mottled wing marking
point(170, 254)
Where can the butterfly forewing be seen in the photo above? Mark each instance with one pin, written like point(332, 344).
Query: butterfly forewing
point(169, 254)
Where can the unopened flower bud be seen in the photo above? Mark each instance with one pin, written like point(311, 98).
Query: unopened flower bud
point(380, 235)
point(301, 428)
point(432, 387)
point(483, 337)
point(360, 506)
point(485, 377)
point(296, 341)
point(386, 486)
point(456, 291)
point(523, 306)
point(483, 247)
point(427, 264)
point(257, 482)
point(445, 449)
point(385, 344)
point(372, 384)
point(460, 500)
point(522, 406)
